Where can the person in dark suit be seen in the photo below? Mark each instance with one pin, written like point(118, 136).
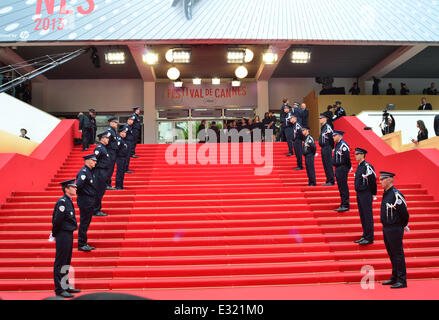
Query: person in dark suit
point(103, 166)
point(309, 151)
point(128, 128)
point(63, 225)
point(355, 90)
point(329, 115)
point(85, 126)
point(339, 111)
point(112, 148)
point(342, 163)
point(289, 131)
point(87, 200)
point(388, 124)
point(297, 141)
point(305, 113)
point(201, 134)
point(390, 90)
point(122, 157)
point(376, 86)
point(425, 105)
point(436, 124)
point(404, 89)
point(215, 128)
point(422, 132)
point(326, 142)
point(286, 108)
point(366, 188)
point(23, 134)
point(137, 128)
point(298, 112)
point(394, 218)
point(432, 90)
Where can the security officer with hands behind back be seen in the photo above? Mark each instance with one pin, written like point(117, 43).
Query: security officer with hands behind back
point(87, 199)
point(123, 155)
point(342, 163)
point(112, 148)
point(63, 225)
point(395, 218)
point(103, 166)
point(137, 127)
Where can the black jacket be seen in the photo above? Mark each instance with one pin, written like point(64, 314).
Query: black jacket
point(136, 124)
point(326, 138)
point(365, 178)
point(422, 135)
point(123, 148)
point(63, 218)
point(112, 143)
point(85, 122)
point(394, 209)
point(309, 147)
point(426, 106)
point(342, 155)
point(436, 125)
point(87, 192)
point(101, 153)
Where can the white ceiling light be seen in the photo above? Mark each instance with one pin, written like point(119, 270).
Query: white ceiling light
point(216, 81)
point(269, 57)
point(236, 83)
point(241, 72)
point(115, 56)
point(173, 73)
point(150, 58)
point(178, 55)
point(239, 55)
point(178, 83)
point(301, 56)
point(196, 81)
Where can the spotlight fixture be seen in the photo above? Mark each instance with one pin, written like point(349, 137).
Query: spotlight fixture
point(239, 55)
point(269, 57)
point(216, 81)
point(301, 56)
point(115, 56)
point(241, 72)
point(178, 83)
point(236, 83)
point(196, 81)
point(178, 55)
point(173, 73)
point(150, 58)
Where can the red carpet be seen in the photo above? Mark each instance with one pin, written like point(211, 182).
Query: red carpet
point(213, 226)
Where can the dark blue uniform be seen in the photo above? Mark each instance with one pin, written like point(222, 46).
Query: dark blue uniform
point(342, 163)
point(130, 140)
point(123, 155)
point(395, 217)
point(326, 142)
point(288, 129)
point(299, 115)
point(298, 144)
point(339, 112)
point(136, 132)
point(93, 130)
point(87, 201)
point(366, 188)
point(305, 117)
point(103, 166)
point(85, 125)
point(112, 149)
point(63, 225)
point(281, 136)
point(309, 151)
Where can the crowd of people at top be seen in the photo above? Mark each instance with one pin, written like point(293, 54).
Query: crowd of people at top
point(391, 91)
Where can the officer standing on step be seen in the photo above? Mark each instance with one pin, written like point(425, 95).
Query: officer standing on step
point(309, 151)
point(103, 166)
point(112, 148)
point(326, 142)
point(85, 126)
point(128, 128)
point(137, 127)
point(395, 218)
point(87, 199)
point(366, 188)
point(339, 111)
point(287, 126)
point(93, 126)
point(342, 163)
point(63, 225)
point(298, 141)
point(123, 155)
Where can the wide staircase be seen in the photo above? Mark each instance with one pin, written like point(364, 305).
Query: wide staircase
point(210, 226)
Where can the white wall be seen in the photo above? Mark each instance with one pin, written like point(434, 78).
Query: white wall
point(109, 95)
point(416, 86)
point(297, 88)
point(15, 114)
point(405, 121)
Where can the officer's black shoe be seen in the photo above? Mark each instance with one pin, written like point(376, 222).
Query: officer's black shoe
point(65, 294)
point(129, 171)
point(358, 241)
point(399, 285)
point(110, 188)
point(388, 282)
point(365, 242)
point(119, 188)
point(289, 154)
point(100, 214)
point(134, 156)
point(342, 209)
point(298, 169)
point(85, 248)
point(328, 184)
point(72, 290)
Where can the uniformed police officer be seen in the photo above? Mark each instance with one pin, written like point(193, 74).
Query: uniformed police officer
point(63, 225)
point(395, 218)
point(298, 141)
point(103, 166)
point(85, 126)
point(128, 128)
point(87, 199)
point(137, 126)
point(309, 151)
point(93, 126)
point(112, 148)
point(123, 155)
point(287, 126)
point(342, 163)
point(339, 111)
point(326, 142)
point(283, 115)
point(366, 188)
point(298, 112)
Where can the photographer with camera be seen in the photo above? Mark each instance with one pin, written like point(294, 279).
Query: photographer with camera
point(387, 125)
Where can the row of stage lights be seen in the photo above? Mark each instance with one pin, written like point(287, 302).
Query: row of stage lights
point(183, 56)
